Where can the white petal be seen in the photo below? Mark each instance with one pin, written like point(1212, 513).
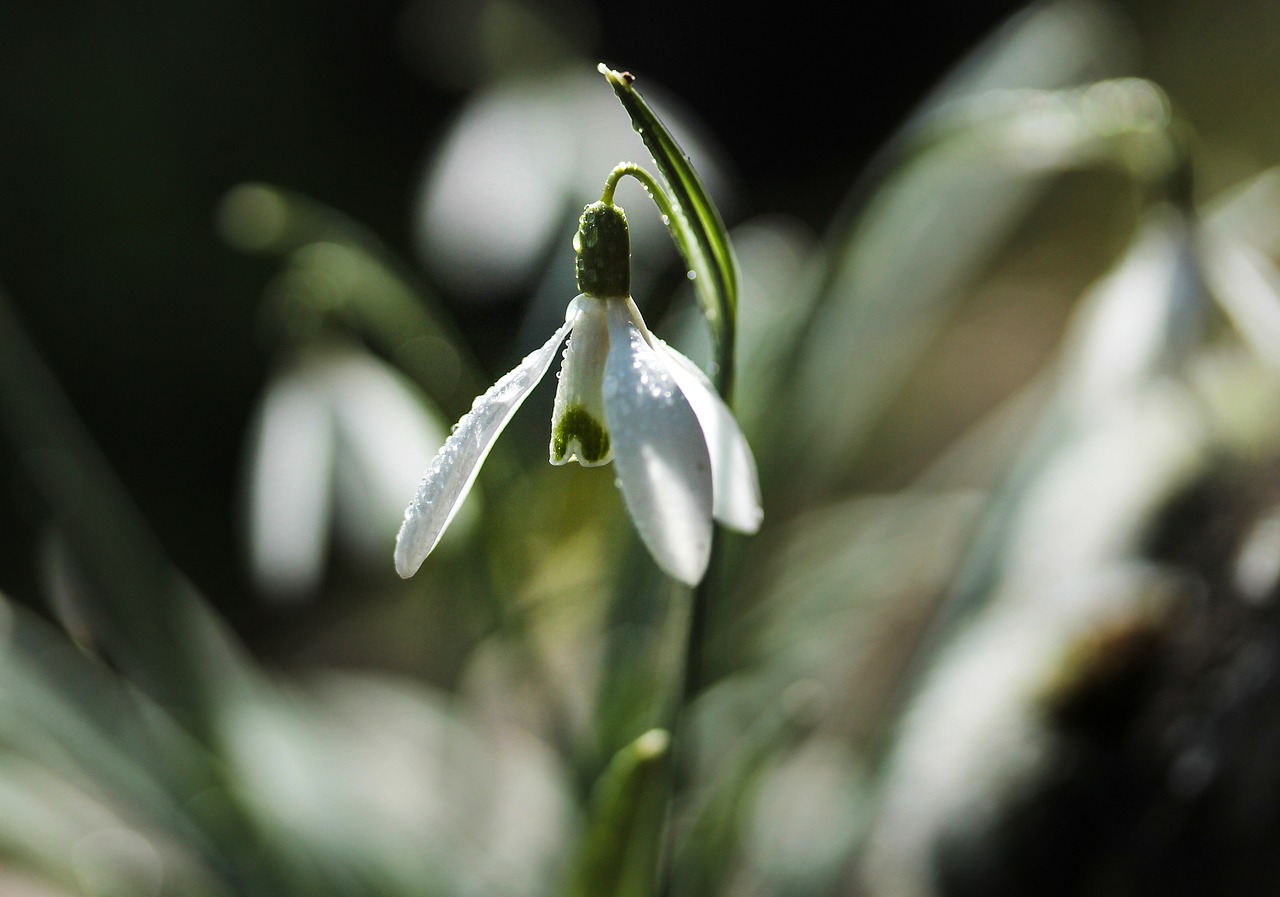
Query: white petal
point(579, 430)
point(735, 483)
point(663, 467)
point(454, 469)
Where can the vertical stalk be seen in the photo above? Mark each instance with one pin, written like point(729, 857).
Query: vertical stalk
point(693, 677)
point(702, 239)
point(693, 672)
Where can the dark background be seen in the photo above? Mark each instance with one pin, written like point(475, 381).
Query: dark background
point(123, 124)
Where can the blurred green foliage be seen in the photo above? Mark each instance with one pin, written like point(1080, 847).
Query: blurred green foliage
point(1011, 383)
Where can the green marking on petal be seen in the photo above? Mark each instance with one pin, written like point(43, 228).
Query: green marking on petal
point(592, 436)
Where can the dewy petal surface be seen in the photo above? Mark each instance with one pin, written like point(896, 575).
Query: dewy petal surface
point(454, 469)
point(663, 466)
point(579, 429)
point(735, 482)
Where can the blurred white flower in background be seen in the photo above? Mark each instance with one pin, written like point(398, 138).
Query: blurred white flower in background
point(336, 443)
point(518, 159)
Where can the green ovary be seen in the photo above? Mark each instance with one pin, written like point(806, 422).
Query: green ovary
point(577, 424)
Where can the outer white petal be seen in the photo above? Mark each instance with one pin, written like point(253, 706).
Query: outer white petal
point(735, 483)
point(663, 467)
point(454, 469)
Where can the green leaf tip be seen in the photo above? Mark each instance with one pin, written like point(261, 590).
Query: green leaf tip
point(652, 744)
point(617, 79)
point(695, 223)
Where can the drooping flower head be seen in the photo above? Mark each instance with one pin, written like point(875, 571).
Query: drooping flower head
point(624, 396)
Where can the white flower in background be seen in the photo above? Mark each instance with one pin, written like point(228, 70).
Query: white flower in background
point(337, 440)
point(529, 145)
point(624, 396)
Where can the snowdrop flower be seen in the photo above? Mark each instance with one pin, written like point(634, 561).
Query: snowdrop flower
point(624, 396)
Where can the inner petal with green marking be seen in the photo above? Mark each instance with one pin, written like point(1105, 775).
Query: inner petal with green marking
point(579, 434)
point(579, 431)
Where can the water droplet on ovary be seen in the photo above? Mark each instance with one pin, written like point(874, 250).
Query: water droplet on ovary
point(692, 275)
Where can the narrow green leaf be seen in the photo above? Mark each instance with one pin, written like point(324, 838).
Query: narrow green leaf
point(696, 225)
point(619, 851)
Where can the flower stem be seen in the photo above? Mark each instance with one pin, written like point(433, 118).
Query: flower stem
point(699, 236)
point(648, 181)
point(722, 376)
point(723, 324)
point(693, 674)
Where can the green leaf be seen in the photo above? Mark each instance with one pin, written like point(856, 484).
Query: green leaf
point(619, 852)
point(695, 223)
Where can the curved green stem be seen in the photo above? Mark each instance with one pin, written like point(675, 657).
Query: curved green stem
point(724, 321)
point(648, 181)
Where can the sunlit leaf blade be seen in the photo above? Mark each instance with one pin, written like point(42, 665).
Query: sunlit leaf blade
point(146, 619)
point(897, 276)
point(72, 734)
point(618, 855)
point(365, 285)
point(696, 225)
